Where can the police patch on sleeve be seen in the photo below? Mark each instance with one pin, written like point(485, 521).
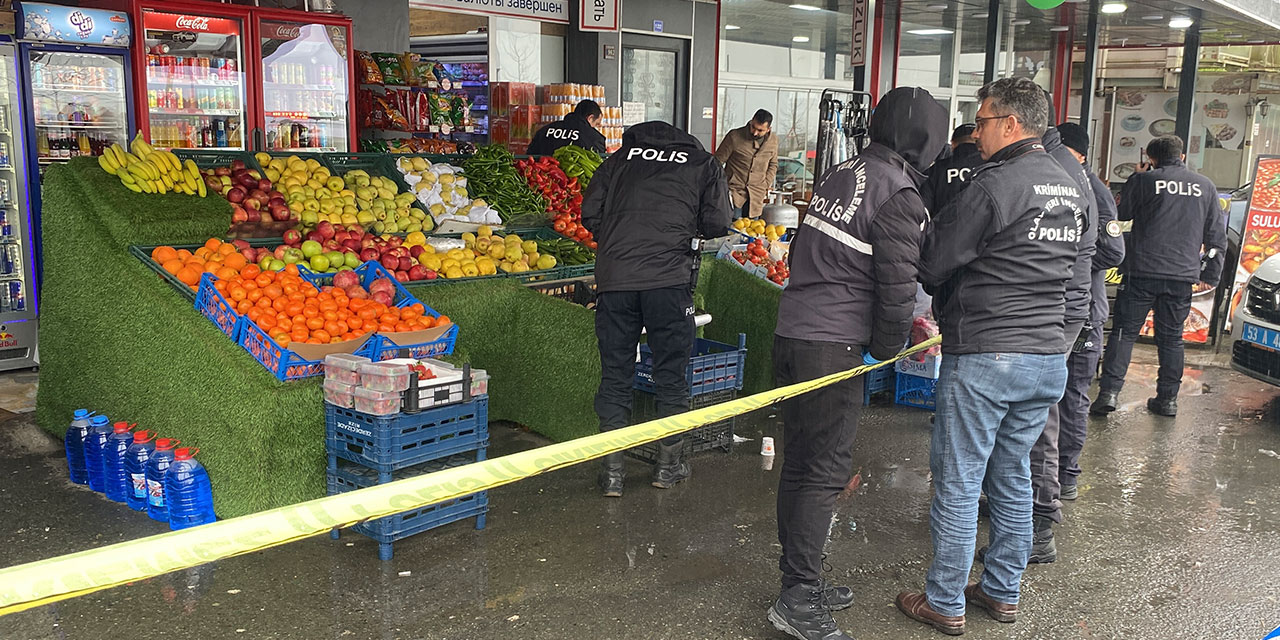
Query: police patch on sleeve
point(1113, 229)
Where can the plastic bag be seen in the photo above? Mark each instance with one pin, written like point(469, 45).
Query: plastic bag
point(389, 65)
point(367, 68)
point(924, 328)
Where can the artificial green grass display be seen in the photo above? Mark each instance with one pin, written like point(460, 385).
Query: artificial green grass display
point(740, 302)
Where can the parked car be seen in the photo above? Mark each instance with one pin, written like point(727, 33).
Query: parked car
point(1256, 325)
point(794, 177)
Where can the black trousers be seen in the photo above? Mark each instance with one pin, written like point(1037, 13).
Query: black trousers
point(667, 316)
point(1046, 491)
point(817, 450)
point(1074, 408)
point(1171, 301)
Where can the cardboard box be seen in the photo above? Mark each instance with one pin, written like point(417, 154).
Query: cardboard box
point(927, 367)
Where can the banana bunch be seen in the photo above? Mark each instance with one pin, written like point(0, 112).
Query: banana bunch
point(148, 170)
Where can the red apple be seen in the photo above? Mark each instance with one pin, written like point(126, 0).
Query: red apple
point(253, 203)
point(237, 164)
point(417, 272)
point(367, 242)
point(416, 250)
point(240, 245)
point(280, 213)
point(237, 194)
point(405, 264)
point(402, 276)
point(264, 184)
point(276, 200)
point(238, 214)
point(431, 275)
point(326, 229)
point(222, 171)
point(369, 253)
point(254, 215)
point(390, 262)
point(278, 254)
point(332, 245)
point(395, 241)
point(350, 245)
point(292, 237)
point(315, 236)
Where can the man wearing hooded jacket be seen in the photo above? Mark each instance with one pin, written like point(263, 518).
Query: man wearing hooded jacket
point(646, 205)
point(849, 302)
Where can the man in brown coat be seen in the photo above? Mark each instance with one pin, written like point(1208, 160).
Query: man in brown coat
point(750, 157)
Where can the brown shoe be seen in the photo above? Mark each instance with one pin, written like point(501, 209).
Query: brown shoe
point(999, 611)
point(916, 606)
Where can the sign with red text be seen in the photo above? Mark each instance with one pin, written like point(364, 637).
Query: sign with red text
point(194, 24)
point(1260, 238)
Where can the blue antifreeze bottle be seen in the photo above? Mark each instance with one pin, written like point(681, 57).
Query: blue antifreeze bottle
point(187, 491)
point(135, 467)
point(99, 431)
point(113, 476)
point(74, 445)
point(157, 465)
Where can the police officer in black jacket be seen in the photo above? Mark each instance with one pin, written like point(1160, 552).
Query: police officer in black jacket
point(646, 205)
point(849, 301)
point(1176, 220)
point(948, 176)
point(577, 128)
point(1082, 362)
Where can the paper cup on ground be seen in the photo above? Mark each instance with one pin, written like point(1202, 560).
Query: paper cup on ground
point(766, 446)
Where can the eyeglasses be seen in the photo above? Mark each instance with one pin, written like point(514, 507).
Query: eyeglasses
point(977, 121)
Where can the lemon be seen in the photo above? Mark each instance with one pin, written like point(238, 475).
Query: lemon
point(470, 270)
point(484, 231)
point(430, 261)
point(456, 254)
point(449, 263)
point(453, 272)
point(546, 262)
point(417, 238)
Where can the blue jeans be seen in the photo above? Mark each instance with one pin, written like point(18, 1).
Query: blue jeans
point(991, 408)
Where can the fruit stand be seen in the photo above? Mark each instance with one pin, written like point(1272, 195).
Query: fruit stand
point(124, 330)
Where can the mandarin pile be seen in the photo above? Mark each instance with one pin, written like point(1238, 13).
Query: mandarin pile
point(222, 259)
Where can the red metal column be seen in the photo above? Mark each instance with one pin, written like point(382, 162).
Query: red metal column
point(1062, 52)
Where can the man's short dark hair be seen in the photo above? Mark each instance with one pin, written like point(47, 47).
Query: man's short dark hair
point(963, 132)
point(762, 117)
point(588, 109)
point(1021, 98)
point(1165, 149)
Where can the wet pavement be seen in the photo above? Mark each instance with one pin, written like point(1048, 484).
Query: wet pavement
point(1174, 536)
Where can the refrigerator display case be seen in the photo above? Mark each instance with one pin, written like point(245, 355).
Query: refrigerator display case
point(18, 319)
point(306, 86)
point(195, 81)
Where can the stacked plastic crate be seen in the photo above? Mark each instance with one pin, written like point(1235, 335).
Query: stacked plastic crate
point(715, 375)
point(401, 418)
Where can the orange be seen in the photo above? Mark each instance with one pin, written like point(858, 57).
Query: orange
point(293, 307)
point(417, 306)
point(225, 249)
point(310, 292)
point(254, 295)
point(183, 254)
point(291, 269)
point(188, 276)
point(212, 244)
point(311, 312)
point(221, 286)
point(254, 314)
point(281, 339)
point(279, 304)
point(172, 265)
point(225, 272)
point(263, 303)
point(267, 321)
point(313, 340)
point(369, 313)
point(243, 307)
point(331, 327)
point(401, 326)
point(321, 336)
point(203, 253)
point(238, 293)
point(354, 322)
point(299, 320)
point(299, 335)
point(235, 261)
point(314, 323)
point(283, 323)
point(274, 291)
point(163, 254)
point(250, 285)
point(443, 320)
point(410, 312)
point(250, 271)
point(265, 278)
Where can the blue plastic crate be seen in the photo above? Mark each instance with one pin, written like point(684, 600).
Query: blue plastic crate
point(286, 364)
point(389, 443)
point(713, 366)
point(213, 306)
point(877, 381)
point(717, 435)
point(914, 391)
point(385, 531)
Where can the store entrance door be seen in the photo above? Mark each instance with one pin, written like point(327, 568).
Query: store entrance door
point(655, 73)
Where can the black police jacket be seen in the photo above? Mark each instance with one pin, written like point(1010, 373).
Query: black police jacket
point(1080, 289)
point(949, 176)
point(1109, 248)
point(647, 202)
point(1175, 213)
point(997, 259)
point(573, 129)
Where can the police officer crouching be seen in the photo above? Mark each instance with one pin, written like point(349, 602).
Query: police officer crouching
point(1176, 217)
point(577, 128)
point(646, 204)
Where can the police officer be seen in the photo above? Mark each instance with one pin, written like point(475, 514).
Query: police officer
point(577, 128)
point(646, 204)
point(1176, 219)
point(849, 302)
point(1082, 362)
point(948, 176)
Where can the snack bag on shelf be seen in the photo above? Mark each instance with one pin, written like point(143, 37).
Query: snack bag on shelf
point(389, 65)
point(426, 72)
point(367, 68)
point(460, 110)
point(422, 111)
point(441, 109)
point(443, 77)
point(409, 69)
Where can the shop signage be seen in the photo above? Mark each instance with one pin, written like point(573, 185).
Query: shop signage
point(1260, 238)
point(861, 24)
point(57, 23)
point(598, 15)
point(193, 24)
point(632, 113)
point(281, 30)
point(544, 10)
point(657, 26)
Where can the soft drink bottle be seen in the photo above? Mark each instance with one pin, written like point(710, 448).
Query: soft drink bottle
point(187, 489)
point(114, 477)
point(74, 444)
point(157, 465)
point(99, 431)
point(135, 466)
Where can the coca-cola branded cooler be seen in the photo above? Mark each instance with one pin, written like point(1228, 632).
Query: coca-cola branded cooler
point(238, 77)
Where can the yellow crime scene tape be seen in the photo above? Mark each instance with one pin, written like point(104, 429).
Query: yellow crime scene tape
point(43, 582)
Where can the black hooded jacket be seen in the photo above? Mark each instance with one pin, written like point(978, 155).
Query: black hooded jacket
point(573, 129)
point(853, 260)
point(949, 176)
point(647, 202)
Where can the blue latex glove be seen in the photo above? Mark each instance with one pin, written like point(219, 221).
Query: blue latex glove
point(868, 360)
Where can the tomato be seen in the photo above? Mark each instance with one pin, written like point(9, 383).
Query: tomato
point(591, 244)
point(571, 229)
point(582, 233)
point(560, 225)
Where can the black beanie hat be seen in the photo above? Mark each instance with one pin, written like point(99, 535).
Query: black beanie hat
point(1074, 137)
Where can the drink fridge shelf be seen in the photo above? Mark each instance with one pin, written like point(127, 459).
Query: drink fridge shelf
point(78, 125)
point(68, 89)
point(187, 82)
point(197, 113)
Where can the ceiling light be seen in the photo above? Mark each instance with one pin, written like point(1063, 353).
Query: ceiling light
point(806, 7)
point(1114, 7)
point(1256, 41)
point(731, 27)
point(1059, 29)
point(1180, 22)
point(1152, 17)
point(983, 15)
point(1154, 44)
point(1208, 29)
point(1234, 35)
point(930, 32)
point(1019, 22)
point(936, 7)
point(800, 39)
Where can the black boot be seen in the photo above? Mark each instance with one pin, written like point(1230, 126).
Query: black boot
point(802, 611)
point(1069, 492)
point(1106, 403)
point(1167, 407)
point(611, 475)
point(838, 598)
point(1043, 548)
point(670, 467)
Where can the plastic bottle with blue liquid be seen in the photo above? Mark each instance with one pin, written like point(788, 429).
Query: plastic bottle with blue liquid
point(115, 481)
point(74, 445)
point(94, 443)
point(187, 491)
point(157, 465)
point(135, 467)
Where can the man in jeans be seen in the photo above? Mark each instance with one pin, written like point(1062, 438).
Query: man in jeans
point(997, 261)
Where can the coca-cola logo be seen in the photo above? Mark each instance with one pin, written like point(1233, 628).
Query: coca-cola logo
point(288, 32)
point(194, 23)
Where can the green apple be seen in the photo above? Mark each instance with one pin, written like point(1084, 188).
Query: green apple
point(275, 265)
point(352, 259)
point(335, 258)
point(311, 248)
point(265, 262)
point(319, 263)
